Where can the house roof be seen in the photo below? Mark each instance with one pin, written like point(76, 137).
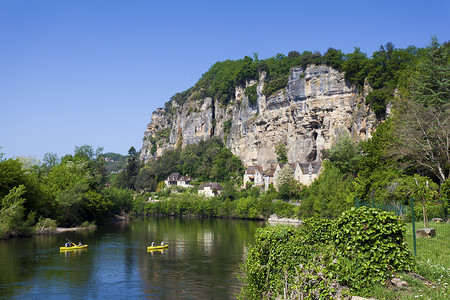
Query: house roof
point(315, 167)
point(212, 185)
point(252, 170)
point(174, 177)
point(178, 177)
point(269, 172)
point(185, 178)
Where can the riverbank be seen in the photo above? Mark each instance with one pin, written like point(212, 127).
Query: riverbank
point(274, 219)
point(65, 229)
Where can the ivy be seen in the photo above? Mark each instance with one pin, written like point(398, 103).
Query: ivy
point(326, 259)
point(370, 247)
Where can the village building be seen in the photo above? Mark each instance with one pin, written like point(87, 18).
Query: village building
point(268, 179)
point(255, 175)
point(305, 173)
point(176, 179)
point(210, 189)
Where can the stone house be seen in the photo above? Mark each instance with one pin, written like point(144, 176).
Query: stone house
point(210, 189)
point(255, 175)
point(268, 178)
point(176, 179)
point(305, 173)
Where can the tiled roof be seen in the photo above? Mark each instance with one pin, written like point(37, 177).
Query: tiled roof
point(212, 185)
point(174, 177)
point(252, 170)
point(315, 167)
point(185, 178)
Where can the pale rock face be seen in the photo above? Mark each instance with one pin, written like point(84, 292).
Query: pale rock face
point(308, 115)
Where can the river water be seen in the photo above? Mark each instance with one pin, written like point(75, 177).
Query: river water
point(202, 261)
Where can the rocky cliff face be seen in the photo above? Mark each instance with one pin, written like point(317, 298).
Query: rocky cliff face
point(308, 115)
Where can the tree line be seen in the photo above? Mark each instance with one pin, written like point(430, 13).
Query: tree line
point(61, 192)
point(383, 71)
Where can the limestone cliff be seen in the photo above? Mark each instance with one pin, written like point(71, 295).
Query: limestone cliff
point(316, 106)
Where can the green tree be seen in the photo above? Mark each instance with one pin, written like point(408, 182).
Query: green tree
point(422, 113)
point(121, 199)
point(431, 81)
point(132, 168)
point(49, 161)
point(72, 204)
point(334, 58)
point(281, 152)
point(11, 175)
point(97, 207)
point(146, 180)
point(356, 67)
point(293, 54)
point(285, 180)
point(422, 135)
point(329, 195)
point(12, 214)
point(345, 154)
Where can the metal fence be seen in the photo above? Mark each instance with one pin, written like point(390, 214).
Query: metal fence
point(427, 223)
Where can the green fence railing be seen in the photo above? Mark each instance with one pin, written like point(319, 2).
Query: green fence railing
point(428, 218)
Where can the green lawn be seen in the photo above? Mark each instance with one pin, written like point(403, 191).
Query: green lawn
point(435, 250)
point(433, 263)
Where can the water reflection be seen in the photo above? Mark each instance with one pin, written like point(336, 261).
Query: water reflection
point(202, 261)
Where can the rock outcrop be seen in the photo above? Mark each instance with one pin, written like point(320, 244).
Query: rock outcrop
point(308, 115)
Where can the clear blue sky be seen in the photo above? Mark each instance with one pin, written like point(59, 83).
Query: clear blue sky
point(92, 71)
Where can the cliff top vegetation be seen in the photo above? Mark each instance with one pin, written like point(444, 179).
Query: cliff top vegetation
point(382, 70)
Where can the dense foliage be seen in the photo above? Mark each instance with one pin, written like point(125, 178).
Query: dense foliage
point(245, 204)
point(383, 71)
point(323, 258)
point(206, 161)
point(66, 192)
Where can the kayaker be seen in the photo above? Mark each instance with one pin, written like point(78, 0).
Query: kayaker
point(153, 244)
point(162, 243)
point(80, 244)
point(67, 244)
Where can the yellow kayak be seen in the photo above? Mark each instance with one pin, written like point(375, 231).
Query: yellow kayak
point(157, 247)
point(73, 248)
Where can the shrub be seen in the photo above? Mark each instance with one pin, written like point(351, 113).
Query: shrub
point(370, 247)
point(282, 265)
point(45, 226)
point(251, 93)
point(325, 259)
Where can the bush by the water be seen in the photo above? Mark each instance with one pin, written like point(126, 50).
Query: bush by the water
point(246, 207)
point(326, 259)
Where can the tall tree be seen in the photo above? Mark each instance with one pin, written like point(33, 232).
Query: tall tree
point(423, 138)
point(132, 169)
point(285, 181)
point(423, 114)
point(281, 151)
point(431, 81)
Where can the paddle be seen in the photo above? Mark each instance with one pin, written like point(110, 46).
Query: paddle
point(71, 242)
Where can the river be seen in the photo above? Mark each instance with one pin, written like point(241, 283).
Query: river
point(202, 261)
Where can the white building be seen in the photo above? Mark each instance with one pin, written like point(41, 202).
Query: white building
point(176, 179)
point(305, 173)
point(210, 189)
